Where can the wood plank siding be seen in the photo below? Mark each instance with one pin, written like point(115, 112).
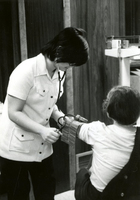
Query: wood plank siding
point(90, 82)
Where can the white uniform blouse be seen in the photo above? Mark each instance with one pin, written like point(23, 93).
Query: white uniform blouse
point(29, 81)
point(112, 146)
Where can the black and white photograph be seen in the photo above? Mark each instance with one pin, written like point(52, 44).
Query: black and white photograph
point(69, 99)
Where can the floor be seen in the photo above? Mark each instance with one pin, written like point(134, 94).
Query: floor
point(68, 195)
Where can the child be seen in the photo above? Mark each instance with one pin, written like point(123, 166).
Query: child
point(112, 145)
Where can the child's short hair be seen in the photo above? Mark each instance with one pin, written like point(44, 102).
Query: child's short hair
point(68, 46)
point(123, 104)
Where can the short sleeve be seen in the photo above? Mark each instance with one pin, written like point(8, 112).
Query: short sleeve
point(21, 80)
point(89, 132)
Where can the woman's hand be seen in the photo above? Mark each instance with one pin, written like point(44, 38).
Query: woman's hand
point(50, 135)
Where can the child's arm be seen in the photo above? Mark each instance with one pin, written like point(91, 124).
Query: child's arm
point(78, 130)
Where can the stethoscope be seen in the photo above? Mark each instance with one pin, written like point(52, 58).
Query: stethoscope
point(60, 81)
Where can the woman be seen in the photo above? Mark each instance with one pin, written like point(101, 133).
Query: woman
point(26, 137)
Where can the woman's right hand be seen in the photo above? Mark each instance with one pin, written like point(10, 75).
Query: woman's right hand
point(50, 135)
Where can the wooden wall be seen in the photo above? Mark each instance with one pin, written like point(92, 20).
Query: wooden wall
point(132, 17)
point(44, 19)
point(92, 81)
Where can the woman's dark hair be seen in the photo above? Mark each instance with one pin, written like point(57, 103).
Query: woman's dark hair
point(123, 105)
point(68, 46)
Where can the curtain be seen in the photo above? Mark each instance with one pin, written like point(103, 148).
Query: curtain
point(8, 56)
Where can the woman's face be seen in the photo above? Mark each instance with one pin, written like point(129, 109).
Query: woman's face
point(63, 66)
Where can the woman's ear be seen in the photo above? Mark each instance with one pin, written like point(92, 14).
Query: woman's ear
point(58, 50)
